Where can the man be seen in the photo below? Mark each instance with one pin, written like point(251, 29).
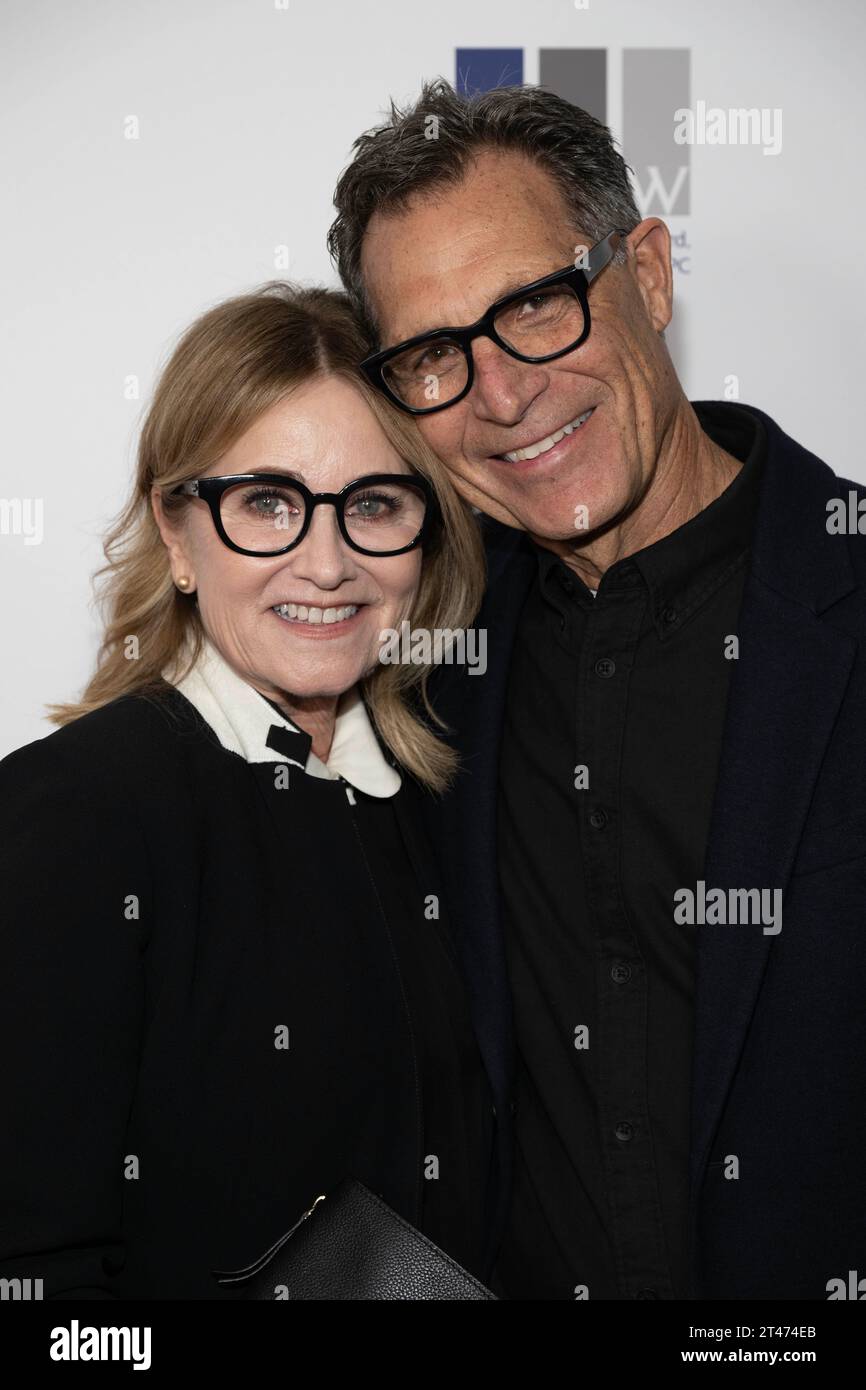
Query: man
point(660, 832)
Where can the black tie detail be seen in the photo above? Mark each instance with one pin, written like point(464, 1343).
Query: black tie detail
point(292, 743)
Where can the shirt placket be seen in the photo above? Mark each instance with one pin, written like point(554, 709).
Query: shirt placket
point(620, 1046)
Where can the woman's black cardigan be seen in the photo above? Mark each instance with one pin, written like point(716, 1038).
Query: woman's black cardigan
point(168, 923)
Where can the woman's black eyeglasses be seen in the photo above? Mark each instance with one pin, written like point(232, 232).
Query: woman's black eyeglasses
point(537, 323)
point(270, 513)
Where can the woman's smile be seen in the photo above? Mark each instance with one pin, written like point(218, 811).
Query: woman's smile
point(312, 621)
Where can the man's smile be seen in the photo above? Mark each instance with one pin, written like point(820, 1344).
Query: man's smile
point(541, 448)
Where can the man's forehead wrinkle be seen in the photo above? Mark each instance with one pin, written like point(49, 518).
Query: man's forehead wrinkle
point(395, 246)
point(499, 286)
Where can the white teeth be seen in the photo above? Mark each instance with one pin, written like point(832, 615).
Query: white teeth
point(542, 445)
point(301, 613)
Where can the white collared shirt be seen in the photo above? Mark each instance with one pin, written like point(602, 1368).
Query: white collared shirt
point(242, 718)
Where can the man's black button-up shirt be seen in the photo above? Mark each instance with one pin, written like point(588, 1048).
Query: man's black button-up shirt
point(610, 754)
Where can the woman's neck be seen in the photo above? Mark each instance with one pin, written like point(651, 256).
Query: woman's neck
point(316, 715)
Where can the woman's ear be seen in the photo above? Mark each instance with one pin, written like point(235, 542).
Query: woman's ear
point(182, 571)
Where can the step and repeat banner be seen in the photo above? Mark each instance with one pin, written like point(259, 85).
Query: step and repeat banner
point(160, 155)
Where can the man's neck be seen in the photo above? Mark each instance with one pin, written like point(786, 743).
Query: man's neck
point(690, 472)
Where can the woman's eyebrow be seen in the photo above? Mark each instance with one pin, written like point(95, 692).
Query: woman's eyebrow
point(283, 472)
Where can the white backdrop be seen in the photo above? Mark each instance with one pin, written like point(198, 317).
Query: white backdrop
point(246, 112)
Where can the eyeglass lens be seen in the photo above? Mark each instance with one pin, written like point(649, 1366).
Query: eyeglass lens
point(432, 372)
point(267, 517)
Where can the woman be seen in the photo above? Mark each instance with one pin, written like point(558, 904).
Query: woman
point(225, 976)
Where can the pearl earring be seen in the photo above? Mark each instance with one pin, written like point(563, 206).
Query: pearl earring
point(183, 582)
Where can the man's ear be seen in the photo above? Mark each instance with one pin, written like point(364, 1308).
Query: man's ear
point(649, 261)
point(173, 540)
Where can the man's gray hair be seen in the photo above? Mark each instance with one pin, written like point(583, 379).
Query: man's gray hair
point(430, 144)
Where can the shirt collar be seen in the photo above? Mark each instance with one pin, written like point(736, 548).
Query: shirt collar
point(247, 723)
point(682, 569)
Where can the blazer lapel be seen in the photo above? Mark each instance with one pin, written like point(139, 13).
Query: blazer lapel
point(785, 694)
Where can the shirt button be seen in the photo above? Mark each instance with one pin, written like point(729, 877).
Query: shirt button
point(646, 1293)
point(605, 667)
point(669, 616)
point(598, 820)
point(624, 1131)
point(620, 973)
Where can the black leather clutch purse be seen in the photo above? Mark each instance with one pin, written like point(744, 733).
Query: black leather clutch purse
point(351, 1245)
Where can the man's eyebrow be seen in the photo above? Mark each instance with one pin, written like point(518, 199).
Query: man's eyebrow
point(515, 281)
point(521, 278)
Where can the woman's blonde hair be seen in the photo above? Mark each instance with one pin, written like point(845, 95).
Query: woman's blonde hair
point(233, 363)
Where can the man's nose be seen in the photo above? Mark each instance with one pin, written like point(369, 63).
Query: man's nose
point(504, 388)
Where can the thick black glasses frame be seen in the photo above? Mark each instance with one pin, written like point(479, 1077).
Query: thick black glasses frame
point(210, 490)
point(575, 276)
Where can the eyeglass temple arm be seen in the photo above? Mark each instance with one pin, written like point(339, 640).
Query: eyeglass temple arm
point(604, 252)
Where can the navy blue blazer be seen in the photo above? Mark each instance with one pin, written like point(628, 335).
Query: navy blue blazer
point(779, 1069)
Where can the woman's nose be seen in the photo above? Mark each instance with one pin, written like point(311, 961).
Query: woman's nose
point(323, 554)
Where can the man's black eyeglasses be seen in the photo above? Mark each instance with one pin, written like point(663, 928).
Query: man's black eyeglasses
point(537, 323)
point(270, 513)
